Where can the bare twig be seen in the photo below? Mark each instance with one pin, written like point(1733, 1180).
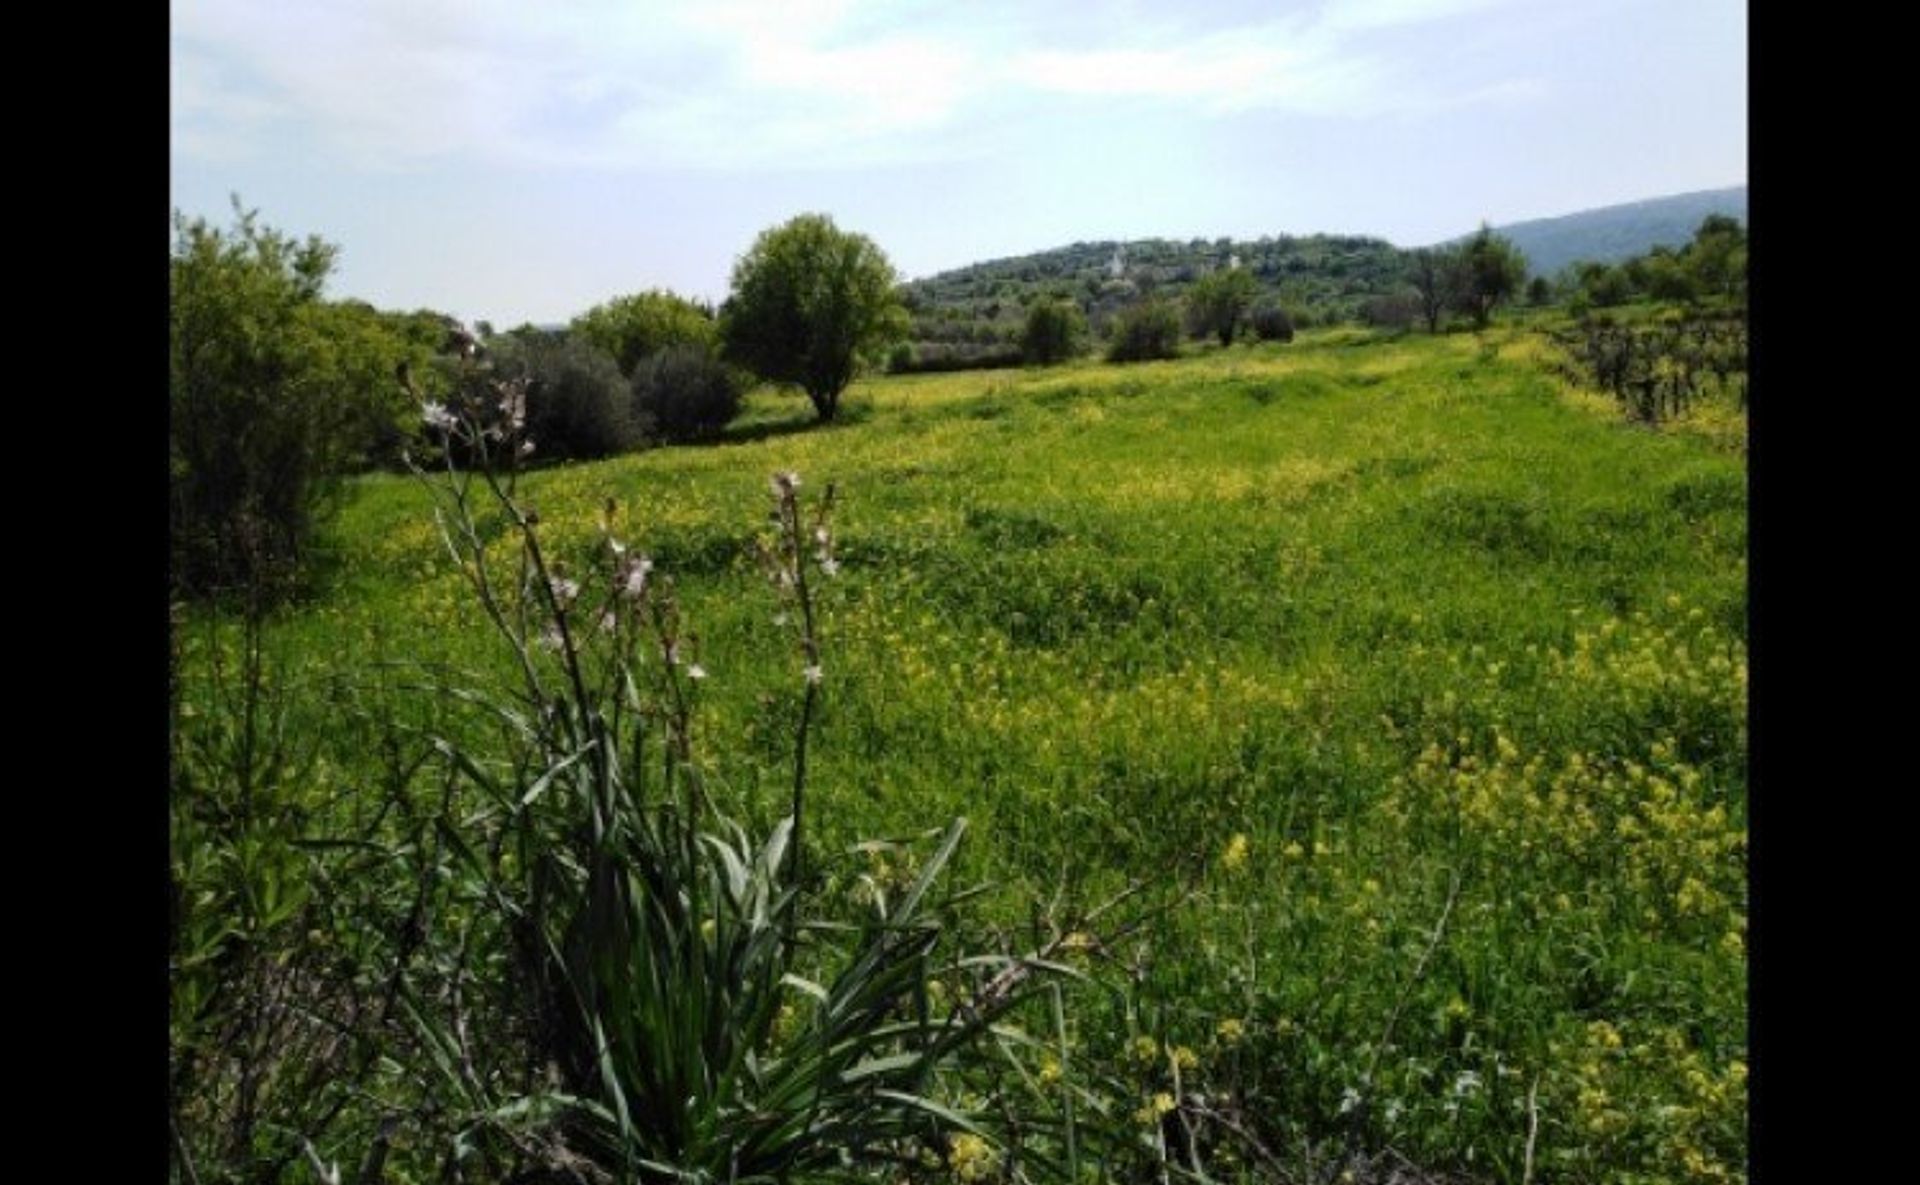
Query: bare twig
point(1533, 1130)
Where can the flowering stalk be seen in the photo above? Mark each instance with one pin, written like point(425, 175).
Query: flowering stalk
point(786, 562)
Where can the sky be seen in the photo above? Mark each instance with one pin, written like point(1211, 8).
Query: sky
point(525, 161)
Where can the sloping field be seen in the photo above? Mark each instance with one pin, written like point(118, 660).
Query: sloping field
point(1427, 680)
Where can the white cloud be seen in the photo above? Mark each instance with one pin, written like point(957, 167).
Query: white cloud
point(727, 83)
point(1355, 15)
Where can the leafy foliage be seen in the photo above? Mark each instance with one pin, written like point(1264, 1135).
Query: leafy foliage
point(578, 405)
point(684, 393)
point(630, 329)
point(810, 304)
point(1272, 324)
point(1218, 302)
point(1435, 274)
point(254, 436)
point(1055, 332)
point(1148, 330)
point(980, 310)
point(1489, 271)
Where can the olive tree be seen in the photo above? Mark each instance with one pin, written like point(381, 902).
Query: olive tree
point(1218, 302)
point(811, 303)
point(1490, 269)
point(1055, 331)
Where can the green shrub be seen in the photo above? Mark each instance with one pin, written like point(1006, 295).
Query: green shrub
point(1148, 330)
point(1271, 324)
point(578, 405)
point(256, 434)
point(1055, 331)
point(684, 393)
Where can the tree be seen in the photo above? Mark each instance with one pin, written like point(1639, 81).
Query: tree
point(1055, 331)
point(1434, 273)
point(1717, 257)
point(578, 402)
point(810, 304)
point(1144, 331)
point(1218, 302)
point(631, 328)
point(1539, 291)
point(683, 393)
point(1491, 270)
point(253, 440)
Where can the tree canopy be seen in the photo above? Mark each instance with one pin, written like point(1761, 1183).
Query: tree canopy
point(242, 441)
point(630, 329)
point(1218, 302)
point(1056, 330)
point(811, 303)
point(1491, 270)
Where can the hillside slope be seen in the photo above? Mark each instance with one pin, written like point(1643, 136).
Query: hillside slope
point(1612, 233)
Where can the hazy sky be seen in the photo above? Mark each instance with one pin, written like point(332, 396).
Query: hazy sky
point(523, 161)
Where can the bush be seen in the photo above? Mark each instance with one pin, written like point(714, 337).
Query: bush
point(578, 404)
point(1148, 330)
point(683, 393)
point(1397, 310)
point(631, 329)
point(255, 436)
point(1055, 331)
point(1217, 302)
point(1271, 324)
point(900, 358)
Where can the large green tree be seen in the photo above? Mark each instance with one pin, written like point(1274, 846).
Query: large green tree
point(810, 304)
point(1490, 270)
point(252, 437)
point(631, 329)
point(1218, 303)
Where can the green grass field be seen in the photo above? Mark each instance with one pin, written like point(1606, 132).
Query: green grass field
point(1351, 637)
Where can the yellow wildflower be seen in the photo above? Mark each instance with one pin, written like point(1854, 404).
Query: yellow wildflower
point(1231, 1030)
point(1235, 857)
point(971, 1158)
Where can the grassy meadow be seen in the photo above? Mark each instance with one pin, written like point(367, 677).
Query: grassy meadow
point(1412, 682)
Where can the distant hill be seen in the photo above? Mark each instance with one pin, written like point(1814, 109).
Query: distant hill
point(1612, 233)
point(973, 315)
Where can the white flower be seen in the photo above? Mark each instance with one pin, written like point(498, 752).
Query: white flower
point(821, 537)
point(780, 618)
point(526, 447)
point(513, 405)
point(437, 416)
point(618, 547)
point(829, 565)
point(696, 671)
point(551, 638)
point(813, 673)
point(564, 590)
point(1466, 1083)
point(635, 583)
point(1349, 1099)
point(784, 483)
point(607, 620)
